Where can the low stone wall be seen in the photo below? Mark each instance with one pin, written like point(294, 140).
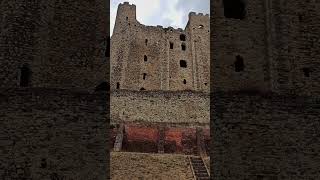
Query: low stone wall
point(53, 134)
point(181, 107)
point(144, 138)
point(265, 136)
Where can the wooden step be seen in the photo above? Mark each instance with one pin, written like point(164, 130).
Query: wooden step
point(199, 169)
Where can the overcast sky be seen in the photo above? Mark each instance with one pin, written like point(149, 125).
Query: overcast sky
point(163, 12)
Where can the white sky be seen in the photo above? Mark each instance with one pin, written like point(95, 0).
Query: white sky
point(162, 12)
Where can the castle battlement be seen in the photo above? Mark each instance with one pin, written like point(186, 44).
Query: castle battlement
point(127, 4)
point(158, 58)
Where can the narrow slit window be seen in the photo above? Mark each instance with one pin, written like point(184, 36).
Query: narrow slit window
point(171, 45)
point(145, 58)
point(239, 64)
point(184, 81)
point(118, 85)
point(146, 42)
point(144, 76)
point(25, 76)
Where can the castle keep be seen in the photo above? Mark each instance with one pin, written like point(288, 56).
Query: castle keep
point(160, 84)
point(52, 56)
point(265, 89)
point(159, 59)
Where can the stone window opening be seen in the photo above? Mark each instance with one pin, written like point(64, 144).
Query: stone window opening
point(205, 84)
point(184, 81)
point(25, 74)
point(182, 37)
point(118, 85)
point(239, 64)
point(104, 86)
point(142, 89)
point(183, 63)
point(171, 45)
point(127, 18)
point(201, 26)
point(183, 47)
point(306, 72)
point(146, 42)
point(235, 9)
point(145, 58)
point(144, 76)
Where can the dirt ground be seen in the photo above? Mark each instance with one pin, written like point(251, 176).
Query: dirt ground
point(140, 166)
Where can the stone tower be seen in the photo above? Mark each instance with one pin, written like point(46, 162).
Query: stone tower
point(239, 46)
point(157, 58)
point(53, 55)
point(53, 44)
point(264, 45)
point(265, 99)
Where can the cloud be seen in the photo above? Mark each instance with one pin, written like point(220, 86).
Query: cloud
point(162, 12)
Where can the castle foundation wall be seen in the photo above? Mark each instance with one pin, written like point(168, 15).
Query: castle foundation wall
point(183, 107)
point(265, 136)
point(53, 134)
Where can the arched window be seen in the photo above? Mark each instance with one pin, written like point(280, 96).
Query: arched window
point(145, 58)
point(184, 81)
point(25, 75)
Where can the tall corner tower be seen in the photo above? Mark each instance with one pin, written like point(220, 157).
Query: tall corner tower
point(240, 49)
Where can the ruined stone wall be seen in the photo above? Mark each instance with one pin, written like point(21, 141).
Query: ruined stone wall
point(295, 51)
point(265, 118)
point(265, 136)
point(154, 106)
point(246, 38)
point(63, 43)
point(143, 59)
point(53, 134)
point(277, 42)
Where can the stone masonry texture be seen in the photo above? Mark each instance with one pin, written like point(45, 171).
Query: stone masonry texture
point(53, 55)
point(265, 116)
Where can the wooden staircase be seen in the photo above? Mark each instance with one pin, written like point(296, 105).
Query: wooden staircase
point(199, 169)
